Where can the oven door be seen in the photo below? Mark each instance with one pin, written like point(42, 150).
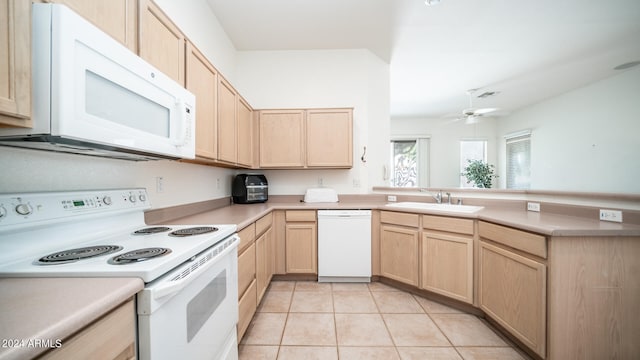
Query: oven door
point(192, 312)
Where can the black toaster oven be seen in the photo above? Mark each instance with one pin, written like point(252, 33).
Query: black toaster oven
point(249, 189)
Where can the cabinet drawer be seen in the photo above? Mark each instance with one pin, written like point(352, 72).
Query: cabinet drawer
point(263, 224)
point(398, 218)
point(530, 243)
point(246, 308)
point(300, 215)
point(448, 224)
point(246, 268)
point(247, 236)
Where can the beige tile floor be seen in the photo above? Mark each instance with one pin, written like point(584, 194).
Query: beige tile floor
point(310, 320)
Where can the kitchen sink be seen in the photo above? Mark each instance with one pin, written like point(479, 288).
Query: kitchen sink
point(467, 209)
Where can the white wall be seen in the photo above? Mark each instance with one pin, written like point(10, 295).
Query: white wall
point(585, 140)
point(200, 25)
point(444, 144)
point(31, 170)
point(324, 78)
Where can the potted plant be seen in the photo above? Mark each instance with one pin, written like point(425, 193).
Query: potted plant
point(479, 173)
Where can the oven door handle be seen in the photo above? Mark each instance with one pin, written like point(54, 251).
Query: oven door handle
point(175, 285)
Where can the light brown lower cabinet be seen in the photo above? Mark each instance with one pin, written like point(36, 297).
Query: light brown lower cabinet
point(399, 247)
point(111, 337)
point(246, 309)
point(513, 292)
point(301, 242)
point(447, 265)
point(264, 262)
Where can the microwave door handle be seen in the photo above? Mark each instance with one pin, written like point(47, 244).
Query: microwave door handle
point(183, 132)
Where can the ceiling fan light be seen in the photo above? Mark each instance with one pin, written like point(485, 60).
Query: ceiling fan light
point(484, 110)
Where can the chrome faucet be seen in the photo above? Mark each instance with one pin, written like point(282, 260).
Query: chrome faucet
point(438, 197)
point(449, 198)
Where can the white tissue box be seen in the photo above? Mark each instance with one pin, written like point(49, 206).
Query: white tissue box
point(320, 195)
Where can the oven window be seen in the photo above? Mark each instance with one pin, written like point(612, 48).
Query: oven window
point(110, 101)
point(203, 305)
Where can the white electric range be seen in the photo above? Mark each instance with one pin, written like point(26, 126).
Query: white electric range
point(189, 305)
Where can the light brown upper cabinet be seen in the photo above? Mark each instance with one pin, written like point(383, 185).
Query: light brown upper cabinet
point(161, 42)
point(227, 122)
point(202, 81)
point(244, 138)
point(117, 18)
point(330, 138)
point(313, 138)
point(15, 63)
point(281, 138)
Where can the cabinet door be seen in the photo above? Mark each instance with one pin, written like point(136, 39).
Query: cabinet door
point(399, 253)
point(301, 248)
point(281, 138)
point(202, 81)
point(245, 133)
point(447, 265)
point(226, 122)
point(15, 63)
point(246, 268)
point(161, 42)
point(329, 138)
point(246, 308)
point(261, 266)
point(512, 291)
point(117, 18)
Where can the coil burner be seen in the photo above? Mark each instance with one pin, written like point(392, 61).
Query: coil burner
point(72, 255)
point(198, 230)
point(151, 230)
point(138, 255)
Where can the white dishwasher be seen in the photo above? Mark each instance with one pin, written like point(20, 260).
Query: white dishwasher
point(344, 245)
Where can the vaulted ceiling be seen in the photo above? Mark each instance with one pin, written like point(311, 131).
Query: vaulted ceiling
point(525, 50)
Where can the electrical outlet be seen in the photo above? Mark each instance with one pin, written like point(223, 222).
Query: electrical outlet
point(391, 198)
point(531, 206)
point(320, 181)
point(611, 215)
point(356, 183)
point(159, 184)
point(218, 183)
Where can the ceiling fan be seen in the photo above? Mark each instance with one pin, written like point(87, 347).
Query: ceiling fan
point(470, 115)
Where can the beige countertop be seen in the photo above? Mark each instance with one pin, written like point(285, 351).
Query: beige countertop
point(549, 224)
point(35, 312)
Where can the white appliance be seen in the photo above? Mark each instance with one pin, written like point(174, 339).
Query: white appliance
point(344, 245)
point(189, 306)
point(93, 96)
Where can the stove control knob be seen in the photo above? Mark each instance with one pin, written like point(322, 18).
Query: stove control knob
point(3, 212)
point(24, 209)
point(132, 198)
point(107, 200)
point(142, 197)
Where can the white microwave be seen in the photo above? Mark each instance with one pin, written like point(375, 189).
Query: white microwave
point(93, 96)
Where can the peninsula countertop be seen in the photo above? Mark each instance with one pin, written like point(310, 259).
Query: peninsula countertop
point(545, 223)
point(38, 312)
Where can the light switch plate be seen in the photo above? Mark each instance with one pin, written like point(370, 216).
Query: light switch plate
point(611, 215)
point(391, 198)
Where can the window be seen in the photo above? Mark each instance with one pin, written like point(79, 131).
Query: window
point(518, 160)
point(471, 150)
point(409, 162)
